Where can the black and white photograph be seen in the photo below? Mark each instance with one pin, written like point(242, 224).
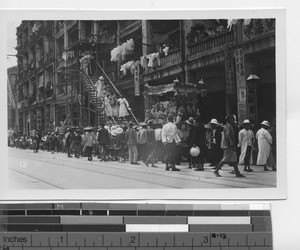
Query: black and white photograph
point(145, 103)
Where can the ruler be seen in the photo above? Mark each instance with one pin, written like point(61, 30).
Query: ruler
point(119, 226)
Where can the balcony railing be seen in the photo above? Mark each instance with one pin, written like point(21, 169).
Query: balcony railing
point(60, 27)
point(129, 26)
point(171, 59)
point(211, 42)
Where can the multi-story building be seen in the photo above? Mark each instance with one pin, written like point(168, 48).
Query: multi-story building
point(53, 86)
point(12, 75)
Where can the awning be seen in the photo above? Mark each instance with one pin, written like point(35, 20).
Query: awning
point(161, 89)
point(165, 88)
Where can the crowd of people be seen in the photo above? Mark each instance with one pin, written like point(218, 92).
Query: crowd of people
point(170, 142)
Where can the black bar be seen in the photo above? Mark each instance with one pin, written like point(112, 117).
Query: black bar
point(235, 213)
point(33, 220)
point(94, 228)
point(65, 212)
point(122, 212)
point(34, 228)
point(13, 212)
point(94, 212)
point(180, 213)
point(152, 212)
point(260, 213)
point(39, 212)
point(207, 213)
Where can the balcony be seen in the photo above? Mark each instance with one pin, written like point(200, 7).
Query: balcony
point(129, 26)
point(60, 27)
point(209, 43)
point(172, 59)
point(70, 23)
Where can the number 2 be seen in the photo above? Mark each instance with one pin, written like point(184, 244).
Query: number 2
point(132, 239)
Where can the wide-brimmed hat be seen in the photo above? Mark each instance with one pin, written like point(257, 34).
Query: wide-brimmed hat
point(143, 124)
point(266, 123)
point(113, 128)
point(88, 128)
point(114, 133)
point(246, 121)
point(191, 121)
point(119, 130)
point(214, 121)
point(134, 126)
point(101, 78)
point(78, 130)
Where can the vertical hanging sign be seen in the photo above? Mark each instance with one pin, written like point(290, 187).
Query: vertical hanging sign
point(229, 72)
point(137, 79)
point(241, 83)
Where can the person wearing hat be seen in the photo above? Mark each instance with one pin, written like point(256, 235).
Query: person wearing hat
point(169, 132)
point(199, 140)
point(131, 140)
point(103, 140)
point(121, 144)
point(35, 142)
point(112, 152)
point(216, 135)
point(246, 140)
point(264, 141)
point(143, 142)
point(70, 143)
point(229, 148)
point(191, 128)
point(100, 87)
point(78, 140)
point(152, 150)
point(88, 142)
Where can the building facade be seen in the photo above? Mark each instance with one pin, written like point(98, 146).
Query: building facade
point(12, 113)
point(54, 84)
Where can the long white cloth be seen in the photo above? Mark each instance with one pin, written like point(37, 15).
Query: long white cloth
point(245, 139)
point(264, 140)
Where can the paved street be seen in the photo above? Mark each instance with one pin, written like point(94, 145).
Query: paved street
point(43, 170)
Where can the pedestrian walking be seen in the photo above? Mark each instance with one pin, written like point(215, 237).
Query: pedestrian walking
point(88, 142)
point(246, 140)
point(191, 127)
point(103, 140)
point(143, 142)
point(35, 142)
point(199, 140)
point(70, 142)
point(78, 141)
point(264, 141)
point(169, 132)
point(131, 139)
point(229, 148)
point(216, 135)
point(151, 145)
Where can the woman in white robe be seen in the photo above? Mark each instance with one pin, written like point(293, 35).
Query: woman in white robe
point(124, 106)
point(108, 109)
point(264, 140)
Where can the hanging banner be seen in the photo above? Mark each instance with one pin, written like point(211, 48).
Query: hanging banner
point(137, 80)
point(229, 72)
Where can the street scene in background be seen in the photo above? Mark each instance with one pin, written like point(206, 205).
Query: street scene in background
point(116, 104)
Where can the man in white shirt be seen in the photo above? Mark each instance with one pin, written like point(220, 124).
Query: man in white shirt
point(246, 139)
point(169, 132)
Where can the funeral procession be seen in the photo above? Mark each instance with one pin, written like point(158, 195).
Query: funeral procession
point(135, 104)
